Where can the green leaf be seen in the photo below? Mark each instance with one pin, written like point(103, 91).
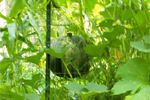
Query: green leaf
point(34, 24)
point(89, 5)
point(141, 46)
point(86, 89)
point(93, 87)
point(17, 7)
point(34, 82)
point(127, 14)
point(74, 87)
point(134, 75)
point(12, 31)
point(11, 37)
point(141, 18)
point(143, 94)
point(32, 97)
point(35, 58)
point(94, 50)
point(135, 69)
point(124, 86)
point(146, 39)
point(4, 17)
point(56, 52)
point(61, 2)
point(106, 23)
point(4, 64)
point(6, 93)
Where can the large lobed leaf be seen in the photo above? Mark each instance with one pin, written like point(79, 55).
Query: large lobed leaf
point(134, 77)
point(141, 46)
point(86, 90)
point(135, 69)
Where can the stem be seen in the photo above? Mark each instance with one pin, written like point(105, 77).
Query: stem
point(81, 18)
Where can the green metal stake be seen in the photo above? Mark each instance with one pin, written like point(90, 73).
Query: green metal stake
point(48, 57)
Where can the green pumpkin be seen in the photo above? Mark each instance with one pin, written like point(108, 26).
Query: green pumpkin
point(75, 58)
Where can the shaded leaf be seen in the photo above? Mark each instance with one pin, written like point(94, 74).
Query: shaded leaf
point(94, 50)
point(90, 88)
point(56, 52)
point(32, 97)
point(74, 87)
point(4, 64)
point(35, 58)
point(139, 45)
point(146, 39)
point(93, 87)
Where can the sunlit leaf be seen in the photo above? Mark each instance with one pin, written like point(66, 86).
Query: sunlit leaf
point(135, 69)
point(12, 31)
point(6, 93)
point(17, 7)
point(124, 86)
point(4, 17)
point(143, 94)
point(34, 24)
point(11, 37)
point(134, 75)
point(89, 5)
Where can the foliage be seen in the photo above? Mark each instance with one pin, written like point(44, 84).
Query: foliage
point(118, 36)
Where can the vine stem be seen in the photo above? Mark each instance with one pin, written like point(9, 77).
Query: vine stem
point(81, 10)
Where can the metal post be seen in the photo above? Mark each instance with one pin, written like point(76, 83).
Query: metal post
point(48, 57)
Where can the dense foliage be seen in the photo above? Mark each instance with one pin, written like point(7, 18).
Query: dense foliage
point(117, 33)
